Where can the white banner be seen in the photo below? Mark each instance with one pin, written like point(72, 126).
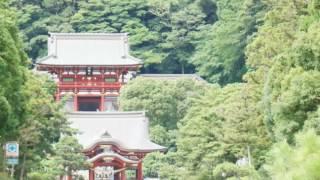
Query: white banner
point(104, 173)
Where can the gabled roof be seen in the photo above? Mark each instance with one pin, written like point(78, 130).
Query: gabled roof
point(127, 130)
point(88, 49)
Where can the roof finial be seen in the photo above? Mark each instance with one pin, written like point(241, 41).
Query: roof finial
point(106, 135)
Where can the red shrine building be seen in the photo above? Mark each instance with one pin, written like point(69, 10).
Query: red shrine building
point(89, 69)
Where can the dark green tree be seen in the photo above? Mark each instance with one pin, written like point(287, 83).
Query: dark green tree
point(12, 73)
point(219, 55)
point(67, 157)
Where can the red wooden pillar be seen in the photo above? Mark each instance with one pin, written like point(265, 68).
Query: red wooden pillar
point(122, 75)
point(75, 103)
point(123, 172)
point(123, 175)
point(58, 94)
point(91, 174)
point(117, 75)
point(102, 103)
point(57, 97)
point(117, 176)
point(139, 171)
point(69, 177)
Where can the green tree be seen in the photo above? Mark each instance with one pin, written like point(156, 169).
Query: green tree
point(43, 121)
point(67, 157)
point(36, 18)
point(232, 171)
point(12, 68)
point(220, 127)
point(283, 56)
point(68, 154)
point(275, 36)
point(300, 161)
point(165, 101)
point(219, 55)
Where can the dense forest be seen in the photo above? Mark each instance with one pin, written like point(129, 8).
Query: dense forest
point(257, 115)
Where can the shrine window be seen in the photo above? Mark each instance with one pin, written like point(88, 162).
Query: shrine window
point(68, 79)
point(110, 79)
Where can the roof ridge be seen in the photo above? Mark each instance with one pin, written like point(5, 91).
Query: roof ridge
point(87, 34)
point(107, 113)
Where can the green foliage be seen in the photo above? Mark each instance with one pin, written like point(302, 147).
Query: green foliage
point(163, 166)
point(274, 37)
point(219, 127)
point(153, 162)
point(41, 123)
point(300, 161)
point(297, 100)
point(162, 136)
point(165, 102)
point(178, 45)
point(43, 116)
point(284, 62)
point(4, 176)
point(306, 48)
point(37, 18)
point(68, 155)
point(39, 176)
point(12, 62)
point(231, 171)
point(66, 158)
point(220, 53)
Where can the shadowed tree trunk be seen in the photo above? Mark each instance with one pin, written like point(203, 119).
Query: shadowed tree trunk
point(23, 167)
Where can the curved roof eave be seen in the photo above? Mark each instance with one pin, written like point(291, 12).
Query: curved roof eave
point(39, 60)
point(114, 155)
point(121, 146)
point(45, 61)
point(139, 61)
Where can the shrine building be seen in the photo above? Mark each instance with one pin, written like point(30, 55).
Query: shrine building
point(90, 69)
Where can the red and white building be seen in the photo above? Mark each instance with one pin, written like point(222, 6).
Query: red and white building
point(89, 69)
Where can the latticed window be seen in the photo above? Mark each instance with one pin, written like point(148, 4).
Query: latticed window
point(68, 79)
point(110, 79)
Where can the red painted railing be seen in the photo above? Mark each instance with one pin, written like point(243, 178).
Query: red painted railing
point(89, 85)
